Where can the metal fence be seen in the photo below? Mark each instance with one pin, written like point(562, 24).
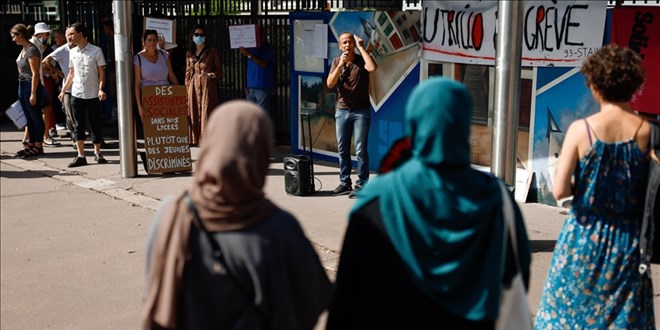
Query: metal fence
point(217, 15)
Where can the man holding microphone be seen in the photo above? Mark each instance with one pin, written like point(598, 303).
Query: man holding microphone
point(349, 73)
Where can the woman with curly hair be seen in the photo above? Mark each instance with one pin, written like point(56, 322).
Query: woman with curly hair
point(593, 281)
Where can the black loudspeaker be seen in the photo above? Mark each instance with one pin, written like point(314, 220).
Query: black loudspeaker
point(298, 175)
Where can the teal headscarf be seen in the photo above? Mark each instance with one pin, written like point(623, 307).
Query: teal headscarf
point(443, 217)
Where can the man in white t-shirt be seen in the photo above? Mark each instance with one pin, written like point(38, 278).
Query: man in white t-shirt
point(86, 78)
point(61, 56)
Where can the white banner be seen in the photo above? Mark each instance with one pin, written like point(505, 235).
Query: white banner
point(555, 33)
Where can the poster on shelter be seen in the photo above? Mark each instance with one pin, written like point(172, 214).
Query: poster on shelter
point(639, 28)
point(562, 97)
point(317, 111)
point(165, 124)
point(555, 33)
point(391, 37)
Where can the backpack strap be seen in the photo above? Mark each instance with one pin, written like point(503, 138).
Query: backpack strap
point(654, 143)
point(220, 262)
point(647, 232)
point(641, 122)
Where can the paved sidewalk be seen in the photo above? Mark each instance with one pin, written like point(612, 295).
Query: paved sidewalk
point(72, 240)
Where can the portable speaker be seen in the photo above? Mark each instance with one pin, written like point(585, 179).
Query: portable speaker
point(297, 175)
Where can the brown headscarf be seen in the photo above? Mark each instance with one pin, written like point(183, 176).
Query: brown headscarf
point(227, 192)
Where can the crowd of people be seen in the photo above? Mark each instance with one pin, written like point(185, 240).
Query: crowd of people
point(437, 225)
point(222, 255)
point(79, 95)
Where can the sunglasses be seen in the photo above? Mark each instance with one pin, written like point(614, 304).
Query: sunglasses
point(198, 34)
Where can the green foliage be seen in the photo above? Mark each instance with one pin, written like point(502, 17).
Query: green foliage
point(220, 7)
point(229, 7)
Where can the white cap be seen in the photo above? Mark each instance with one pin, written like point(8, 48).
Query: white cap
point(41, 27)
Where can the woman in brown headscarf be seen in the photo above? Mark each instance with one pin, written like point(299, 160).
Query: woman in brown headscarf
point(269, 275)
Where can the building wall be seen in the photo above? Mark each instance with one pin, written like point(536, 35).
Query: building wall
point(481, 142)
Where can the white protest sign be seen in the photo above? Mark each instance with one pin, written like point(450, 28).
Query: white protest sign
point(166, 28)
point(243, 36)
point(16, 114)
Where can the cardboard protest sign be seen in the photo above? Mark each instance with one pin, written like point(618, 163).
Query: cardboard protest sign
point(166, 29)
point(165, 124)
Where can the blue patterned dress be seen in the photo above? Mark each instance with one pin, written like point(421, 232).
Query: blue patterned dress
point(593, 282)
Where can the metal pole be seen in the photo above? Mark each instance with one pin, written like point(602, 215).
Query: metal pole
point(122, 11)
point(507, 89)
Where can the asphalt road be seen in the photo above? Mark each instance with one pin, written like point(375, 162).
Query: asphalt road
point(72, 240)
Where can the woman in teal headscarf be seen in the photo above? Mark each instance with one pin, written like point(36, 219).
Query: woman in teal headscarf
point(424, 242)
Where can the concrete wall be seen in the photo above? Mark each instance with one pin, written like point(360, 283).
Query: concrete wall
point(481, 141)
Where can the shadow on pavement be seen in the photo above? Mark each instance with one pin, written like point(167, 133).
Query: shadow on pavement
point(23, 174)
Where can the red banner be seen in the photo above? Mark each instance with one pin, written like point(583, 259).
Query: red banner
point(638, 27)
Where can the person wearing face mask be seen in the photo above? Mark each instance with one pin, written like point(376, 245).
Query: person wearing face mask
point(58, 39)
point(203, 72)
point(40, 39)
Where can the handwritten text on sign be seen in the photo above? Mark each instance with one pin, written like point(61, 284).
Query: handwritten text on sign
point(165, 124)
point(555, 33)
point(243, 36)
point(166, 28)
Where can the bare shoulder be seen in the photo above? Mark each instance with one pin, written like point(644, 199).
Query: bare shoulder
point(577, 137)
point(577, 129)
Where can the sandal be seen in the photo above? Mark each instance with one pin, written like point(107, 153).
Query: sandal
point(22, 152)
point(26, 147)
point(33, 151)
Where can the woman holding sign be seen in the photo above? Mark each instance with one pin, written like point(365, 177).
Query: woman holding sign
point(203, 71)
point(30, 91)
point(151, 67)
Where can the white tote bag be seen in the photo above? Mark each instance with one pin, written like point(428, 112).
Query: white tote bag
point(514, 309)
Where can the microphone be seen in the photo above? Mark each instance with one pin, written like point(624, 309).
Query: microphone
point(343, 75)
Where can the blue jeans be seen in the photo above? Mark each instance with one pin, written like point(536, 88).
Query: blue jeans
point(353, 123)
point(261, 97)
point(35, 122)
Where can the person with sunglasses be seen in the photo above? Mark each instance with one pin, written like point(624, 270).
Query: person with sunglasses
point(203, 72)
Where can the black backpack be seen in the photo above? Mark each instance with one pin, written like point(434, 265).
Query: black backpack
point(650, 226)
